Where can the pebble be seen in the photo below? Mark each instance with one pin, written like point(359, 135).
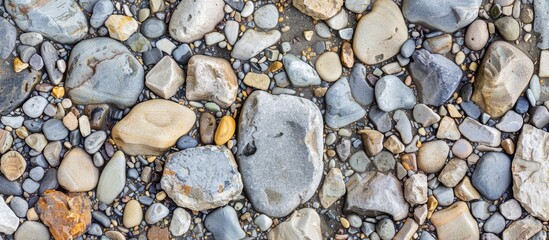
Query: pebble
point(357, 6)
point(8, 220)
point(322, 30)
point(462, 149)
point(508, 27)
point(32, 230)
point(77, 172)
point(415, 189)
point(431, 156)
point(338, 21)
point(329, 67)
point(153, 28)
point(454, 220)
point(12, 165)
point(264, 222)
point(113, 179)
point(511, 209)
point(180, 223)
point(192, 20)
point(495, 224)
point(155, 213)
point(299, 72)
point(102, 9)
point(248, 9)
point(303, 224)
point(477, 132)
point(34, 107)
point(380, 119)
point(385, 229)
point(224, 225)
point(359, 162)
point(492, 175)
point(391, 94)
point(333, 188)
point(253, 42)
point(322, 9)
point(133, 214)
point(8, 35)
point(341, 108)
point(19, 206)
point(203, 72)
point(266, 17)
point(121, 27)
point(441, 16)
point(477, 35)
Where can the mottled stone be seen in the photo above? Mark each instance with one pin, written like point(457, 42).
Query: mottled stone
point(253, 42)
point(202, 178)
point(504, 73)
point(455, 220)
point(15, 87)
point(447, 16)
point(191, 20)
point(319, 9)
point(303, 224)
point(341, 108)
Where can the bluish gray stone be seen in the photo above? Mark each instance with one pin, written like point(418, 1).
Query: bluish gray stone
point(224, 225)
point(182, 54)
point(102, 70)
point(541, 18)
point(54, 130)
point(94, 141)
point(50, 56)
point(253, 42)
point(60, 20)
point(341, 108)
point(8, 187)
point(510, 122)
point(494, 224)
point(185, 142)
point(492, 175)
point(408, 48)
point(362, 92)
point(435, 76)
point(8, 35)
point(139, 43)
point(101, 11)
point(446, 16)
point(156, 212)
point(380, 119)
point(266, 17)
point(444, 195)
point(153, 28)
point(539, 116)
point(30, 186)
point(49, 181)
point(19, 206)
point(471, 109)
point(300, 73)
point(391, 94)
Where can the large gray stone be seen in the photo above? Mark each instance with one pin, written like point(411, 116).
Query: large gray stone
point(341, 108)
point(15, 88)
point(446, 15)
point(362, 92)
point(530, 169)
point(392, 94)
point(435, 76)
point(202, 178)
point(541, 18)
point(279, 151)
point(492, 175)
point(60, 20)
point(8, 35)
point(377, 194)
point(191, 20)
point(102, 70)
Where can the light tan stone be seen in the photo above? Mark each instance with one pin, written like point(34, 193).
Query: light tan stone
point(373, 141)
point(432, 156)
point(211, 79)
point(415, 189)
point(380, 33)
point(453, 172)
point(503, 75)
point(407, 231)
point(12, 165)
point(329, 67)
point(165, 78)
point(454, 221)
point(448, 129)
point(332, 189)
point(465, 190)
point(319, 9)
point(152, 127)
point(522, 229)
point(133, 214)
point(121, 27)
point(76, 172)
point(6, 140)
point(394, 145)
point(257, 80)
point(303, 224)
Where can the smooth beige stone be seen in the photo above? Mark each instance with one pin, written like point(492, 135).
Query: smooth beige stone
point(465, 190)
point(12, 165)
point(76, 172)
point(448, 129)
point(373, 141)
point(503, 75)
point(152, 127)
point(121, 27)
point(133, 214)
point(453, 172)
point(165, 78)
point(380, 33)
point(257, 80)
point(6, 140)
point(455, 222)
point(407, 231)
point(329, 67)
point(432, 156)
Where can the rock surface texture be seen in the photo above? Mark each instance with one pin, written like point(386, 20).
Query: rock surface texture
point(447, 15)
point(297, 135)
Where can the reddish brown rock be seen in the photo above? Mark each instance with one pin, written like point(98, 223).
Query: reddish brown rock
point(66, 215)
point(347, 55)
point(158, 233)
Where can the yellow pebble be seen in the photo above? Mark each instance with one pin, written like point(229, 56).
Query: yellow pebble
point(275, 66)
point(225, 130)
point(58, 92)
point(19, 65)
point(344, 222)
point(432, 205)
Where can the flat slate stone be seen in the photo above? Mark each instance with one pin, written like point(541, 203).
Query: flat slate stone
point(15, 88)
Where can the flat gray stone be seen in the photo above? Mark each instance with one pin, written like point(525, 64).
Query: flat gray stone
point(275, 142)
point(341, 108)
point(266, 17)
point(253, 42)
point(32, 230)
point(446, 16)
point(102, 70)
point(492, 175)
point(362, 92)
point(477, 132)
point(112, 179)
point(510, 122)
point(60, 20)
point(8, 35)
point(300, 73)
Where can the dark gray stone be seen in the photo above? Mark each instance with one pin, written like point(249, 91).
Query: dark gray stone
point(492, 175)
point(185, 142)
point(471, 109)
point(152, 56)
point(435, 76)
point(50, 56)
point(8, 187)
point(15, 87)
point(101, 11)
point(236, 4)
point(539, 116)
point(182, 54)
point(153, 28)
point(49, 181)
point(380, 119)
point(362, 92)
